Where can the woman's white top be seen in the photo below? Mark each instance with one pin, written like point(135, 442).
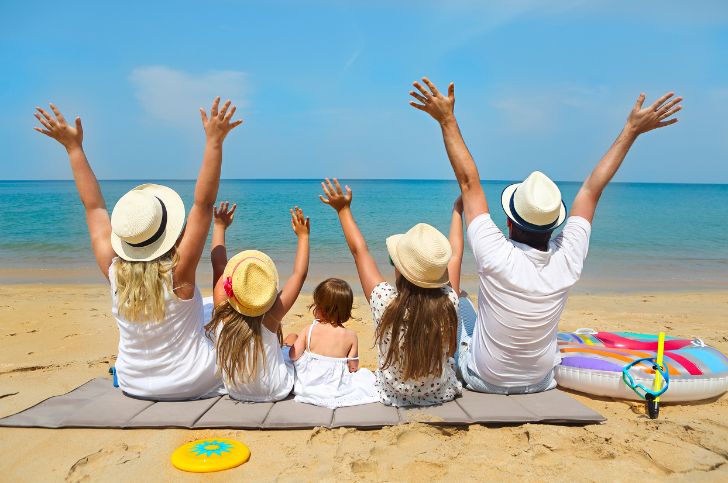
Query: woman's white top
point(393, 389)
point(170, 359)
point(326, 381)
point(274, 380)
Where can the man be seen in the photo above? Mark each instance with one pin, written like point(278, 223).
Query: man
point(525, 280)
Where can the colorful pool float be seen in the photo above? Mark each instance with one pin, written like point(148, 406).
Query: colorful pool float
point(592, 362)
point(212, 454)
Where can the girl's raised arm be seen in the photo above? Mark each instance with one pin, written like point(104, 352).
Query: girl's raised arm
point(369, 274)
point(223, 218)
point(97, 217)
point(198, 222)
point(302, 228)
point(457, 243)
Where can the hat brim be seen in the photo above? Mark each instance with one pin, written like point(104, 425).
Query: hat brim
point(175, 223)
point(243, 309)
point(506, 205)
point(392, 243)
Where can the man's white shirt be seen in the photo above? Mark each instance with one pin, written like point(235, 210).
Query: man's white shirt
point(522, 294)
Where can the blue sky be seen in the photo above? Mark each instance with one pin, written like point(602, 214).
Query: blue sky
point(323, 85)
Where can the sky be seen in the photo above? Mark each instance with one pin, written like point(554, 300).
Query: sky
point(323, 86)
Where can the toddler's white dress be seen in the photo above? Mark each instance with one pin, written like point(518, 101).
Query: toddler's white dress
point(326, 381)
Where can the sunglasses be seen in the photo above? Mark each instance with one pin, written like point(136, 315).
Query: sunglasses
point(391, 262)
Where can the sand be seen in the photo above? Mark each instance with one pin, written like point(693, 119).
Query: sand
point(56, 337)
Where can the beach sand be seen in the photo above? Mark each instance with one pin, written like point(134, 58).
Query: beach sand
point(55, 337)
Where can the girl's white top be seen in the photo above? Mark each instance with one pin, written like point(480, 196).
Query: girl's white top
point(170, 359)
point(326, 381)
point(394, 389)
point(274, 380)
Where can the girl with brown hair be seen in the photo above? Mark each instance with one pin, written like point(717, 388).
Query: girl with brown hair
point(416, 320)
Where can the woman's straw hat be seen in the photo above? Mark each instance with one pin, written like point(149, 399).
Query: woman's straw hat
point(535, 204)
point(250, 280)
point(421, 255)
point(146, 222)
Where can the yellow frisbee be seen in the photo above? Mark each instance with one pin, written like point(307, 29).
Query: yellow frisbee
point(211, 454)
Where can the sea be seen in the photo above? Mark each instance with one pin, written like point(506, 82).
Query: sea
point(646, 237)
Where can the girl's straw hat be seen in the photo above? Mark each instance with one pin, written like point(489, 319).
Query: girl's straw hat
point(535, 204)
point(421, 255)
point(250, 280)
point(146, 222)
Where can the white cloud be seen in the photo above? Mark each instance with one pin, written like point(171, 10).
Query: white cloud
point(175, 96)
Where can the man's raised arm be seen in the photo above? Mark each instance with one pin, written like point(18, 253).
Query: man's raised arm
point(441, 108)
point(639, 122)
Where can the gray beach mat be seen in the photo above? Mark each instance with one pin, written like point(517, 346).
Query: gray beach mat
point(98, 404)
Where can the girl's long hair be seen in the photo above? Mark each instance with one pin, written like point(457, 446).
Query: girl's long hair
point(239, 343)
point(141, 287)
point(422, 324)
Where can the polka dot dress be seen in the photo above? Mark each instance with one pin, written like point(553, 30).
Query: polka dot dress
point(393, 389)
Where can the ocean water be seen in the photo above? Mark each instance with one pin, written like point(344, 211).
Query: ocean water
point(645, 236)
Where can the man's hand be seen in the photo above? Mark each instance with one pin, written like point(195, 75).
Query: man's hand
point(335, 196)
point(301, 225)
point(224, 214)
point(655, 116)
point(57, 128)
point(218, 125)
point(440, 107)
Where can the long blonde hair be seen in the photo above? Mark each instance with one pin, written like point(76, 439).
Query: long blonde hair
point(239, 343)
point(141, 287)
point(422, 324)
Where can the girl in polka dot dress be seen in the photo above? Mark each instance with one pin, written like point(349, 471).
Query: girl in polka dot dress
point(417, 318)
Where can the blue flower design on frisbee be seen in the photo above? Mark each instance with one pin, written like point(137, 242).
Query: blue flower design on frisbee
point(212, 447)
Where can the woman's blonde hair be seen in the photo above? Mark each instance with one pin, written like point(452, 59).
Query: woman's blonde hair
point(141, 287)
point(239, 343)
point(422, 324)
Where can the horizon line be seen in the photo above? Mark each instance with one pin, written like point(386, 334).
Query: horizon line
point(29, 180)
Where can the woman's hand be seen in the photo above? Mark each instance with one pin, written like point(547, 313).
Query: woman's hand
point(440, 107)
point(458, 205)
point(218, 125)
point(301, 225)
point(655, 116)
point(335, 196)
point(224, 215)
point(58, 129)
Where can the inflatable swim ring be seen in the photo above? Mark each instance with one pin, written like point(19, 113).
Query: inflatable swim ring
point(212, 454)
point(592, 362)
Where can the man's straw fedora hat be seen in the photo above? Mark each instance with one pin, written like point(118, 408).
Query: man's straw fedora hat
point(534, 205)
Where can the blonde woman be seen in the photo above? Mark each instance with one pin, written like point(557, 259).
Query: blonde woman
point(416, 320)
point(150, 255)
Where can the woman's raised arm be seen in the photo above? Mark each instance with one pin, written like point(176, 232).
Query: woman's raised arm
point(97, 217)
point(369, 274)
point(198, 222)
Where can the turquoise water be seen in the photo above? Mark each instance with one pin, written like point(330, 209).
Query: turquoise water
point(645, 236)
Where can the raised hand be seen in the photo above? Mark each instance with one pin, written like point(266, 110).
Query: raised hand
point(335, 196)
point(655, 116)
point(218, 125)
point(440, 107)
point(458, 205)
point(58, 129)
point(224, 214)
point(301, 225)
